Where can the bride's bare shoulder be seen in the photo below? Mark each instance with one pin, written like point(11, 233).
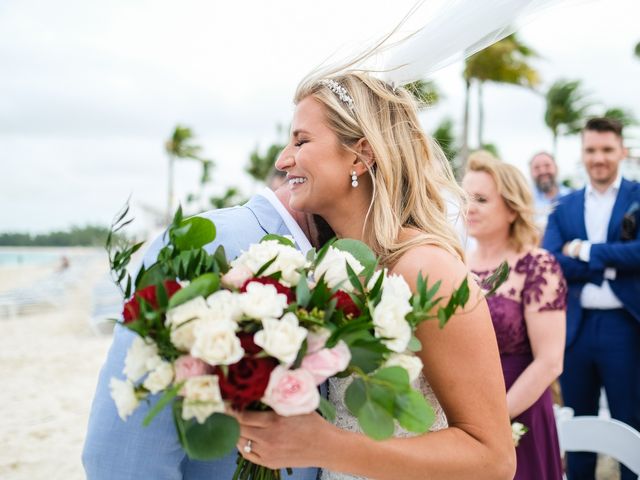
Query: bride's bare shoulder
point(432, 261)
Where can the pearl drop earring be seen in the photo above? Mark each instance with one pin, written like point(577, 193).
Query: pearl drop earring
point(354, 179)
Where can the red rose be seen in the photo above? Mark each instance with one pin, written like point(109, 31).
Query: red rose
point(345, 303)
point(132, 307)
point(246, 380)
point(271, 281)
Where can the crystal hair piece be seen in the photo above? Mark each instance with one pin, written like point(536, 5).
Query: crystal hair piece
point(340, 91)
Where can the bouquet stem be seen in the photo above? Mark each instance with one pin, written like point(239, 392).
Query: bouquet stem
point(246, 470)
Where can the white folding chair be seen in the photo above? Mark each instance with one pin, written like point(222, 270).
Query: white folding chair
point(600, 435)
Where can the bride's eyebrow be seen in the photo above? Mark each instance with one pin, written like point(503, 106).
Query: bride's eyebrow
point(298, 132)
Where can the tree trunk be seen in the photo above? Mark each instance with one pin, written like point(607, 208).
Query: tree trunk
point(170, 190)
point(555, 146)
point(464, 149)
point(480, 116)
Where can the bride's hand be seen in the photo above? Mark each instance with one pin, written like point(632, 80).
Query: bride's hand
point(280, 442)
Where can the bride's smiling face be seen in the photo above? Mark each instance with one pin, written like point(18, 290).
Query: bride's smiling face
point(317, 165)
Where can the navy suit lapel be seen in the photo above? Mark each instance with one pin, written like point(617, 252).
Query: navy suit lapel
point(619, 208)
point(578, 215)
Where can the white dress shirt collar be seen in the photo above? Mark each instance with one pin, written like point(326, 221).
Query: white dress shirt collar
point(298, 235)
point(613, 188)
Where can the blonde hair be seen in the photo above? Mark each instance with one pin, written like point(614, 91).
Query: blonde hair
point(412, 179)
point(516, 194)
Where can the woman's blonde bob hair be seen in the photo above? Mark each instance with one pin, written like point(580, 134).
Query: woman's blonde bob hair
point(412, 179)
point(517, 196)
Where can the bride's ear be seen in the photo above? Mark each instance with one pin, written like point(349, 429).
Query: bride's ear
point(365, 158)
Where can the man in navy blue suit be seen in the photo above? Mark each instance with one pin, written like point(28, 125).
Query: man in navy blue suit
point(594, 234)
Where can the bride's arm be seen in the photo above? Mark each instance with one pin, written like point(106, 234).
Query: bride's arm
point(461, 364)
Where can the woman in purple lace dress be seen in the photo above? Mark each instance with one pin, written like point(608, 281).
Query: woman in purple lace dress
point(528, 309)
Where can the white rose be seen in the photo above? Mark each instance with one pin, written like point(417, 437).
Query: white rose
point(411, 363)
point(159, 378)
point(396, 286)
point(142, 356)
point(287, 260)
point(281, 338)
point(202, 398)
point(224, 304)
point(124, 396)
point(183, 319)
point(389, 323)
point(262, 301)
point(334, 268)
point(216, 343)
point(392, 285)
point(236, 277)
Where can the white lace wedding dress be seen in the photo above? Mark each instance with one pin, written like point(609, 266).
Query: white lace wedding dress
point(346, 421)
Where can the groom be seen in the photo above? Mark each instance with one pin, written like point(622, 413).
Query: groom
point(118, 450)
point(594, 234)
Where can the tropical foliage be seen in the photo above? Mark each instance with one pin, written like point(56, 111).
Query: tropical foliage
point(567, 107)
point(506, 62)
point(181, 146)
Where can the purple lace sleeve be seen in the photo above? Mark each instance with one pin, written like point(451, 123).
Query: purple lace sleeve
point(544, 287)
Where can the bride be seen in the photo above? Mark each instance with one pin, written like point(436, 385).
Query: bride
point(358, 157)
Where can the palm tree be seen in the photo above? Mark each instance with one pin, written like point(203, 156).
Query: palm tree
point(260, 165)
point(625, 117)
point(505, 61)
point(567, 107)
point(179, 147)
point(425, 91)
point(446, 139)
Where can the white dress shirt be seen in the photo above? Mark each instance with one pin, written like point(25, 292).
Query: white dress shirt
point(298, 235)
point(597, 214)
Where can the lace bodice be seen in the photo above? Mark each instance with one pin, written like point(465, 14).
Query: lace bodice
point(346, 421)
point(535, 284)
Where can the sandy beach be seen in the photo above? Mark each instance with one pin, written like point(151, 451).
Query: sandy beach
point(49, 362)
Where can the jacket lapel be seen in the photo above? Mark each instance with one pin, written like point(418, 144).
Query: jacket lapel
point(578, 215)
point(619, 208)
point(267, 216)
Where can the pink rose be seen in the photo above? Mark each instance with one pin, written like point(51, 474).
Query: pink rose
point(317, 339)
point(327, 362)
point(187, 366)
point(236, 277)
point(291, 392)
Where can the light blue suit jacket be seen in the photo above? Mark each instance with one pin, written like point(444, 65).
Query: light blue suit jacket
point(117, 450)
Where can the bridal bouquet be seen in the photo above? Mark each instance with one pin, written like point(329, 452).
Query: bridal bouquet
point(264, 331)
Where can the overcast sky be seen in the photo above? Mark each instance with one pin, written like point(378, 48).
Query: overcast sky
point(89, 90)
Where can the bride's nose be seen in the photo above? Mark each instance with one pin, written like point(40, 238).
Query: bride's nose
point(285, 159)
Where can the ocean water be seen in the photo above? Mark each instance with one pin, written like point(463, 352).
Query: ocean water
point(29, 256)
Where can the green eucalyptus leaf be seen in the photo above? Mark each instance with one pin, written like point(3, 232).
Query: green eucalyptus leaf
point(413, 412)
point(193, 233)
point(359, 250)
point(280, 239)
point(355, 396)
point(327, 409)
point(396, 378)
point(365, 358)
point(375, 421)
point(203, 286)
point(303, 294)
point(215, 438)
point(414, 344)
point(382, 395)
